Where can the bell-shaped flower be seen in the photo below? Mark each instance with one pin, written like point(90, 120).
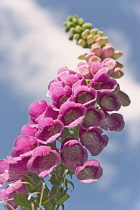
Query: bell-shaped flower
point(24, 145)
point(3, 172)
point(49, 130)
point(79, 83)
point(103, 83)
point(17, 167)
point(93, 117)
point(36, 109)
point(110, 64)
point(29, 130)
point(73, 154)
point(84, 95)
point(43, 161)
point(113, 122)
point(109, 102)
point(84, 70)
point(54, 84)
point(7, 195)
point(69, 77)
point(61, 95)
point(96, 67)
point(93, 140)
point(71, 113)
point(89, 172)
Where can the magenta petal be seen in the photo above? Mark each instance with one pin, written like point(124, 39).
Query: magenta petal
point(113, 122)
point(29, 130)
point(37, 108)
point(43, 160)
point(89, 172)
point(3, 172)
point(24, 144)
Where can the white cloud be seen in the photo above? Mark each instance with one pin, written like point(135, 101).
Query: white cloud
point(35, 46)
point(121, 194)
point(110, 173)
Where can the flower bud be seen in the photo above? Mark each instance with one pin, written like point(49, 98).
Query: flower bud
point(85, 33)
point(117, 54)
point(107, 51)
point(79, 29)
point(87, 25)
point(82, 42)
point(81, 21)
point(76, 36)
point(90, 39)
point(101, 41)
point(72, 30)
point(100, 33)
point(94, 31)
point(96, 48)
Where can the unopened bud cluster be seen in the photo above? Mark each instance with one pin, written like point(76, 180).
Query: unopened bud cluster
point(83, 32)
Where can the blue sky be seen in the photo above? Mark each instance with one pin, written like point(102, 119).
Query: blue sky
point(34, 46)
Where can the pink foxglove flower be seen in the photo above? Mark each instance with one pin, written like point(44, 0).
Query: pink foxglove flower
point(84, 95)
point(89, 172)
point(43, 161)
point(49, 130)
point(3, 172)
point(93, 140)
point(24, 145)
point(71, 114)
point(73, 154)
point(93, 117)
point(113, 122)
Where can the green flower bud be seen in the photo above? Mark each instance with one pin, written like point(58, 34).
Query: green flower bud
point(70, 24)
point(82, 42)
point(80, 21)
point(85, 33)
point(69, 18)
point(72, 30)
point(71, 37)
point(117, 54)
point(76, 36)
point(90, 39)
point(93, 31)
point(100, 33)
point(75, 19)
point(101, 41)
point(87, 25)
point(79, 29)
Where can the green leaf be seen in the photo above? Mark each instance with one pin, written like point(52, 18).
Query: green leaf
point(70, 182)
point(21, 199)
point(62, 199)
